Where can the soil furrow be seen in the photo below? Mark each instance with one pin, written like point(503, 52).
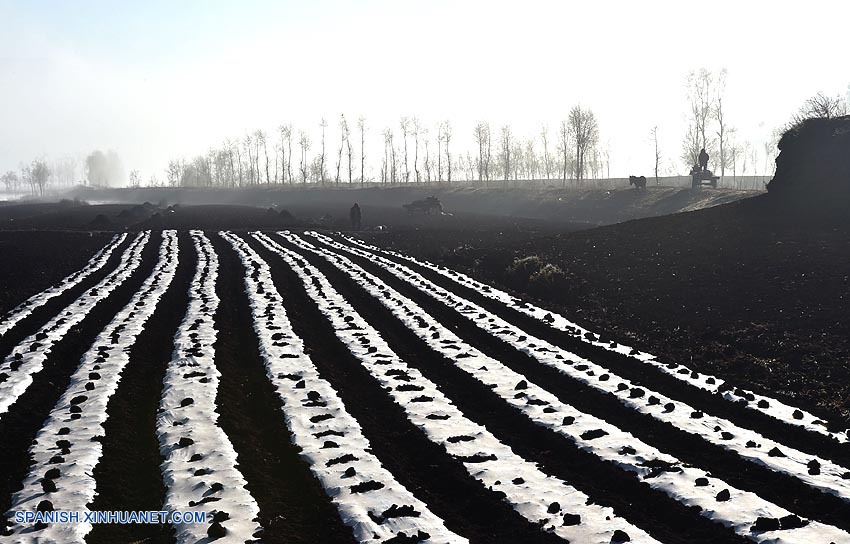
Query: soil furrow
point(35, 260)
point(25, 417)
point(128, 475)
point(41, 315)
point(644, 374)
point(784, 490)
point(606, 484)
point(420, 465)
point(293, 505)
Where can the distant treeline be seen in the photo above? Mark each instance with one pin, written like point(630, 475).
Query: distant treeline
point(99, 169)
point(414, 154)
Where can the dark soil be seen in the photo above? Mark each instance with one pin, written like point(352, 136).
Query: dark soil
point(603, 482)
point(20, 424)
point(42, 314)
point(293, 505)
point(753, 292)
point(420, 465)
point(750, 291)
point(783, 490)
point(32, 261)
point(128, 475)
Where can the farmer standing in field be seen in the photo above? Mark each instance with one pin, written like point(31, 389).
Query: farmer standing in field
point(354, 215)
point(703, 160)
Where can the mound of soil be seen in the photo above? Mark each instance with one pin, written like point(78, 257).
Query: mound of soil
point(100, 222)
point(813, 166)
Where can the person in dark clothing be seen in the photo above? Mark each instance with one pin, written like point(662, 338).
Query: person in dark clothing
point(703, 159)
point(354, 215)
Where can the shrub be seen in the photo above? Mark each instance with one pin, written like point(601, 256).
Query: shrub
point(548, 276)
point(521, 270)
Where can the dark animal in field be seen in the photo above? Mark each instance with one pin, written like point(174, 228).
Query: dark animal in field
point(429, 205)
point(638, 181)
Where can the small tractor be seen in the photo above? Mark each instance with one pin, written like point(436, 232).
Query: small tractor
point(703, 177)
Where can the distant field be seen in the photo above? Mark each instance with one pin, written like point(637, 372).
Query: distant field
point(383, 205)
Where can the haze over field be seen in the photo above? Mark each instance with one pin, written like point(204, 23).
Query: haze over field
point(158, 81)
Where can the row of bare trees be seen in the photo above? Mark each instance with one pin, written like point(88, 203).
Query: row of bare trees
point(280, 158)
point(412, 153)
point(96, 169)
point(33, 177)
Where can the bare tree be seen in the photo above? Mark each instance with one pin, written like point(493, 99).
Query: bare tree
point(405, 127)
point(286, 136)
point(172, 173)
point(361, 124)
point(734, 154)
point(238, 163)
point(261, 140)
point(342, 130)
point(10, 180)
point(745, 155)
point(249, 145)
point(526, 158)
point(470, 164)
point(654, 135)
point(691, 145)
point(388, 170)
point(447, 137)
point(417, 128)
point(393, 163)
point(346, 134)
point(304, 142)
point(718, 112)
point(427, 156)
point(754, 158)
point(482, 138)
point(606, 153)
point(584, 132)
point(565, 149)
point(135, 178)
point(26, 177)
point(278, 151)
point(544, 135)
point(702, 107)
point(439, 153)
point(324, 125)
point(516, 157)
point(63, 172)
point(506, 143)
point(39, 175)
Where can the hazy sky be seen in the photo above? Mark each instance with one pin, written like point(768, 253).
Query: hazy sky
point(156, 80)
